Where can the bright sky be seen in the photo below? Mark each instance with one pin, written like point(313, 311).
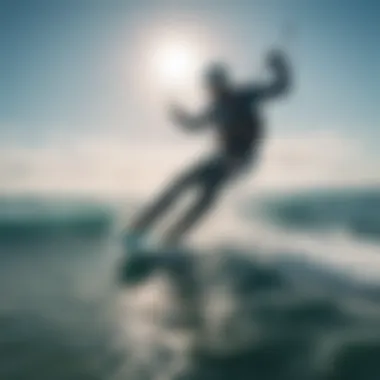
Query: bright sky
point(83, 69)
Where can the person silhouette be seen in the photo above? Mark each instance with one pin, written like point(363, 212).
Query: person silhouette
point(234, 115)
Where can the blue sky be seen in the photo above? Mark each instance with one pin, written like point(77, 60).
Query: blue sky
point(75, 69)
point(62, 70)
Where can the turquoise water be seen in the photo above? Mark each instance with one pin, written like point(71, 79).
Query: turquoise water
point(355, 212)
point(226, 313)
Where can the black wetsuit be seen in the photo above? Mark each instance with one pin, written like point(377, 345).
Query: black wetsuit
point(239, 131)
point(237, 122)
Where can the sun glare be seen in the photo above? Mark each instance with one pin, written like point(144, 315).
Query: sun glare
point(175, 62)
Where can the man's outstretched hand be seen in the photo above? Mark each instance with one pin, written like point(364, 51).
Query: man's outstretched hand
point(186, 120)
point(180, 117)
point(177, 114)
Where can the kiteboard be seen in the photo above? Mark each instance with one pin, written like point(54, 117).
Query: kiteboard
point(142, 257)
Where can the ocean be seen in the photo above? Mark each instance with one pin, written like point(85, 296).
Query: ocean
point(294, 294)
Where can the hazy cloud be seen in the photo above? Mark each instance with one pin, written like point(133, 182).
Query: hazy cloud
point(125, 167)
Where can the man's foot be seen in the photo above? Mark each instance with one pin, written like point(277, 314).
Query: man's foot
point(133, 241)
point(137, 268)
point(138, 262)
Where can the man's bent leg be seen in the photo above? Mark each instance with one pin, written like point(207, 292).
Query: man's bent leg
point(196, 212)
point(214, 177)
point(161, 205)
point(166, 199)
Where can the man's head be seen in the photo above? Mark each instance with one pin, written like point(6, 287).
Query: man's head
point(217, 79)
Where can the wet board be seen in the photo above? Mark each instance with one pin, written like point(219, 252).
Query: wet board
point(142, 258)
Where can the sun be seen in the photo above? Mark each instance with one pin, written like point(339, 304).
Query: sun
point(175, 61)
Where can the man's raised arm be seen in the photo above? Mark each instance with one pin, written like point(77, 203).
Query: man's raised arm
point(282, 77)
point(188, 121)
